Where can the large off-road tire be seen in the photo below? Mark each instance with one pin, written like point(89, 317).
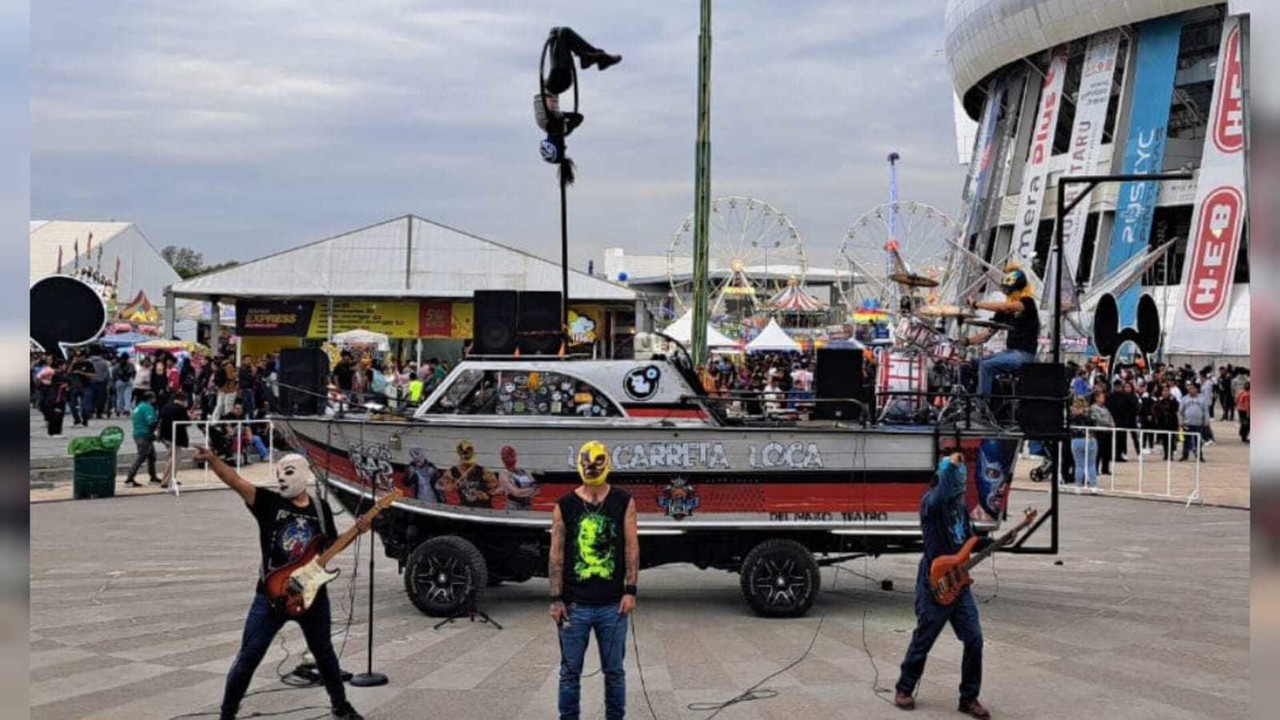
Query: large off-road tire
point(780, 578)
point(445, 576)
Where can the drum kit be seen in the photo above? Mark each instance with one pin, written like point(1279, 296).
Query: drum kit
point(922, 334)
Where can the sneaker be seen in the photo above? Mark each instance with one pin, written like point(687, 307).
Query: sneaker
point(1093, 489)
point(132, 483)
point(904, 702)
point(155, 481)
point(1210, 443)
point(346, 712)
point(1146, 451)
point(1077, 489)
point(604, 60)
point(973, 708)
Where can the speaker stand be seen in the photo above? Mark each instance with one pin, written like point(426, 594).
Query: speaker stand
point(471, 616)
point(369, 678)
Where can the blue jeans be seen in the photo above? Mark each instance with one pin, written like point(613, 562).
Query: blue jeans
point(611, 638)
point(1002, 362)
point(1085, 454)
point(1194, 442)
point(124, 397)
point(931, 618)
point(86, 404)
point(260, 629)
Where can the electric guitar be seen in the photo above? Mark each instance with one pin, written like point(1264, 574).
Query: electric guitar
point(292, 588)
point(949, 574)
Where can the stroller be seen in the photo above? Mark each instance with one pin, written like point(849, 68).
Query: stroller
point(1044, 470)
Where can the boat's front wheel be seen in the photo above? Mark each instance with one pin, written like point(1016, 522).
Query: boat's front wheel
point(780, 578)
point(445, 576)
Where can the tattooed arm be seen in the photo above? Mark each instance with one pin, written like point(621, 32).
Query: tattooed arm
point(631, 537)
point(555, 566)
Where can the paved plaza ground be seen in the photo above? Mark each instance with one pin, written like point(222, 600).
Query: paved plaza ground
point(137, 605)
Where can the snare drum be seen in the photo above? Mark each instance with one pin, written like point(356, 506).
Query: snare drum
point(947, 352)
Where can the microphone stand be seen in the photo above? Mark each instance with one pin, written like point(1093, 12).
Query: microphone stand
point(369, 678)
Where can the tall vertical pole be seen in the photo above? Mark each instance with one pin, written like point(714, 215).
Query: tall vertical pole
point(702, 190)
point(564, 259)
point(893, 207)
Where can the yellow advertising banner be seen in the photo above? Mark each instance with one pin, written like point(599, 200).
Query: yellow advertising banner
point(396, 320)
point(462, 323)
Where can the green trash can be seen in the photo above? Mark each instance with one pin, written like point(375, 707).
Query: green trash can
point(94, 474)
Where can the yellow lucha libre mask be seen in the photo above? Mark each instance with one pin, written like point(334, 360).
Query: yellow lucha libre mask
point(593, 463)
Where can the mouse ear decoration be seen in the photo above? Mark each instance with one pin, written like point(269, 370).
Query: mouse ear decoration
point(1148, 325)
point(1106, 326)
point(65, 312)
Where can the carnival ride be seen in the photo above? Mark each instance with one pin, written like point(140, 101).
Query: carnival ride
point(906, 237)
point(752, 245)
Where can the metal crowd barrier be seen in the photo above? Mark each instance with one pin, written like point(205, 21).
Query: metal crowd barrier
point(207, 425)
point(1142, 434)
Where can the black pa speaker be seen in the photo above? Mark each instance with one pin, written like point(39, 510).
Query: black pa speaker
point(539, 326)
point(303, 372)
point(496, 318)
point(838, 376)
point(1042, 417)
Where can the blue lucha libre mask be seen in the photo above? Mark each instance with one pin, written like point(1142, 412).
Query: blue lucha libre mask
point(552, 149)
point(949, 470)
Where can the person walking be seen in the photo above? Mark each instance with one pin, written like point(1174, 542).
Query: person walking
point(141, 379)
point(173, 435)
point(145, 419)
point(1165, 414)
point(101, 383)
point(1194, 413)
point(53, 396)
point(81, 397)
point(593, 567)
point(1242, 410)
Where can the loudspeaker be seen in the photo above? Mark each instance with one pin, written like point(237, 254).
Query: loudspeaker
point(496, 318)
point(539, 326)
point(303, 372)
point(838, 376)
point(1045, 417)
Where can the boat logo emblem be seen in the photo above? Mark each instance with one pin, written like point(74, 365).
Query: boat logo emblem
point(642, 382)
point(679, 499)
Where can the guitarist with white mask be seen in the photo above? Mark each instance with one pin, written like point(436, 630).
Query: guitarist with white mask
point(288, 520)
point(945, 526)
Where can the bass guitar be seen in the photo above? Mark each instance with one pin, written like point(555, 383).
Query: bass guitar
point(949, 574)
point(292, 588)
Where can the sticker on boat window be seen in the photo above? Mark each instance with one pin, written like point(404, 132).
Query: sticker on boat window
point(642, 382)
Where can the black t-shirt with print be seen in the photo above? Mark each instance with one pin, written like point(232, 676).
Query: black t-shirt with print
point(285, 530)
point(595, 553)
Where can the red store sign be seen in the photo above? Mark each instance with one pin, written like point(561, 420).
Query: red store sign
point(1209, 276)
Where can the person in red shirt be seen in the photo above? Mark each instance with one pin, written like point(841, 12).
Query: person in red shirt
point(1242, 412)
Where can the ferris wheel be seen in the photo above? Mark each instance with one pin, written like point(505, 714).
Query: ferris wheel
point(922, 235)
point(754, 250)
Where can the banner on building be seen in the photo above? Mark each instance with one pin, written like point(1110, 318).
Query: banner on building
point(1096, 77)
point(395, 319)
point(462, 320)
point(1035, 173)
point(435, 319)
point(273, 318)
point(1155, 63)
point(983, 159)
point(1219, 213)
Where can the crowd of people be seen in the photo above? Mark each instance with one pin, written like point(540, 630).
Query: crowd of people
point(394, 384)
point(1145, 407)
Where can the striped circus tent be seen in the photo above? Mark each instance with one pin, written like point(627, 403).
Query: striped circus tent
point(793, 299)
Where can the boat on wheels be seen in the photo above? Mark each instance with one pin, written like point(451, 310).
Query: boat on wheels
point(770, 495)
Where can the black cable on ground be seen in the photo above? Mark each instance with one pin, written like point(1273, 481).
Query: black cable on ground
point(635, 644)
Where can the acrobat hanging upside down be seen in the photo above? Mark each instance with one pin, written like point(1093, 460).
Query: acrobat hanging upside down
point(562, 44)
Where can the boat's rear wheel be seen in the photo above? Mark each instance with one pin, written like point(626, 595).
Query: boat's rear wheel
point(445, 576)
point(780, 578)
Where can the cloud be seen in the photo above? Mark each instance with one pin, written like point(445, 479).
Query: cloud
point(248, 126)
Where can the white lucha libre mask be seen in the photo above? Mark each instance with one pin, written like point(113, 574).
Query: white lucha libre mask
point(292, 475)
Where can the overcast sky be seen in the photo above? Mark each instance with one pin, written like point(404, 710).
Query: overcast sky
point(243, 127)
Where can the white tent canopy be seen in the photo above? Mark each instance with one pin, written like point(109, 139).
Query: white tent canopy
point(682, 332)
point(363, 337)
point(773, 339)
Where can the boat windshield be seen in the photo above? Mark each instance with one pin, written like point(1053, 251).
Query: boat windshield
point(522, 393)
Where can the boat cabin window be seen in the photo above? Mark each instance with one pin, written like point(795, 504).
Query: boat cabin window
point(524, 393)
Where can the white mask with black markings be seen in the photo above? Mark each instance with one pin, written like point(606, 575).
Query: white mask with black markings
point(292, 475)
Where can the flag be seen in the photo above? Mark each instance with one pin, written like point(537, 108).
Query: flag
point(88, 251)
point(116, 280)
point(76, 247)
point(59, 259)
point(99, 257)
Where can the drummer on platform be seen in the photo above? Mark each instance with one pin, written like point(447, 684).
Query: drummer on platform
point(1017, 311)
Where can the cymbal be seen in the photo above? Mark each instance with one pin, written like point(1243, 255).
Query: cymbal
point(944, 311)
point(913, 280)
point(989, 324)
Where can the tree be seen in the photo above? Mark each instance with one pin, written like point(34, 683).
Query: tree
point(184, 261)
point(188, 263)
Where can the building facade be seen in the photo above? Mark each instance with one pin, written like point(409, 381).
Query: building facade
point(1086, 87)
